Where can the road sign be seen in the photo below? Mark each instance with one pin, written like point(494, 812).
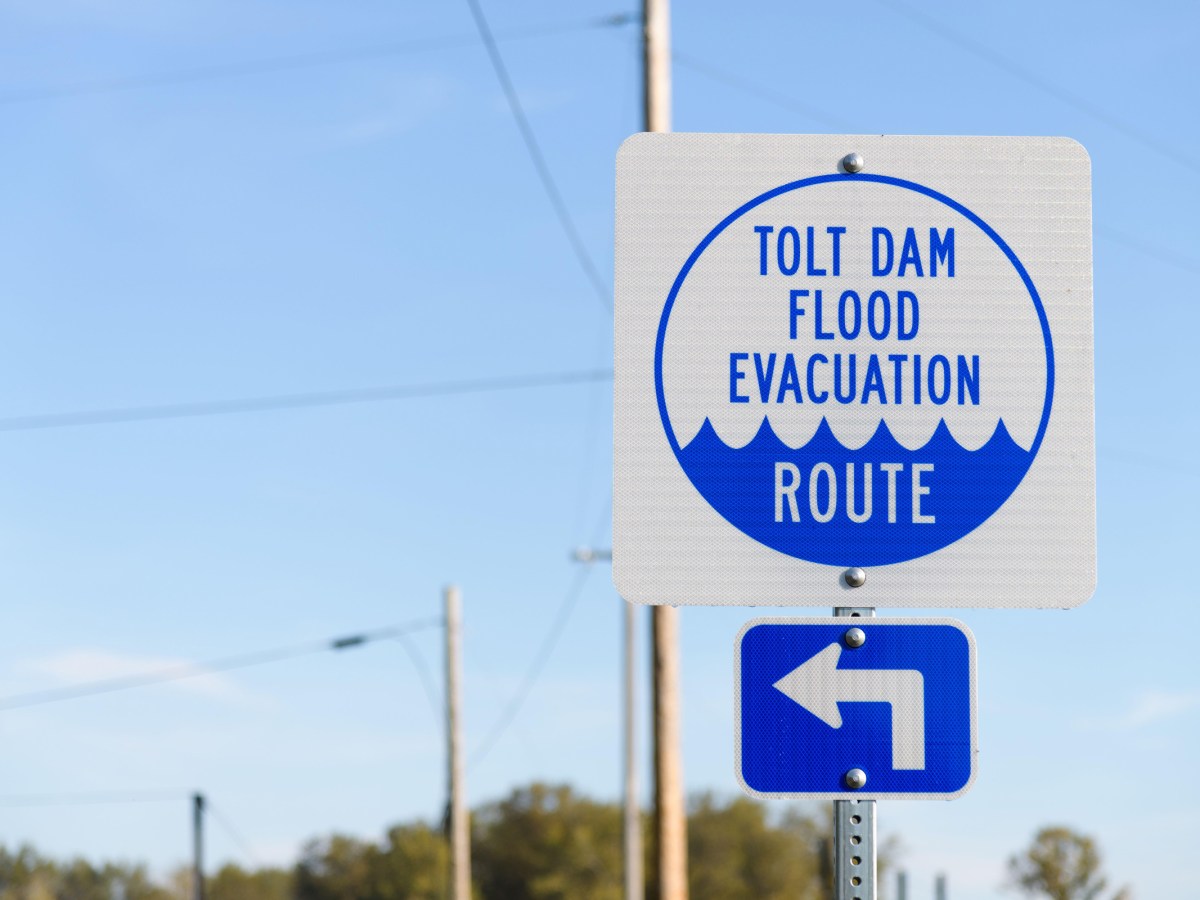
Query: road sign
point(888, 368)
point(855, 708)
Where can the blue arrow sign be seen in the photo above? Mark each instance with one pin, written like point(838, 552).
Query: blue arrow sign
point(898, 705)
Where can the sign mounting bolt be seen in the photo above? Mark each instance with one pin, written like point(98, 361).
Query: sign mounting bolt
point(856, 779)
point(855, 637)
point(855, 577)
point(852, 162)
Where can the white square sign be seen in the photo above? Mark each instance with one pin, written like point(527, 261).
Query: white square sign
point(840, 353)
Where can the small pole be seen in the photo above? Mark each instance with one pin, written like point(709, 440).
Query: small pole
point(670, 818)
point(939, 887)
point(634, 880)
point(854, 859)
point(902, 885)
point(197, 847)
point(460, 837)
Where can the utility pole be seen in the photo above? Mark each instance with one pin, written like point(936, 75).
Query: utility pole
point(635, 883)
point(939, 887)
point(460, 836)
point(197, 847)
point(670, 817)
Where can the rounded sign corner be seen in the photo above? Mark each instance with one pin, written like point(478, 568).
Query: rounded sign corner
point(1077, 148)
point(626, 588)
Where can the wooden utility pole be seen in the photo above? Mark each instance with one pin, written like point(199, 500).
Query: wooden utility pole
point(670, 817)
point(656, 56)
point(459, 826)
point(635, 882)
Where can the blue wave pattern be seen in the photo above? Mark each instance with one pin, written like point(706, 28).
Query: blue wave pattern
point(965, 487)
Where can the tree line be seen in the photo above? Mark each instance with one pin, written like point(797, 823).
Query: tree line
point(546, 842)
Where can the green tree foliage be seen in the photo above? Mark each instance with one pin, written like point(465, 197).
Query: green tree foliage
point(1062, 865)
point(235, 883)
point(411, 864)
point(544, 842)
point(332, 869)
point(735, 853)
point(25, 875)
point(541, 842)
point(416, 860)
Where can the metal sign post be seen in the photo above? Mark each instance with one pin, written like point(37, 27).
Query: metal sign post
point(855, 865)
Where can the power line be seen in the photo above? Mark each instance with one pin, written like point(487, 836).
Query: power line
point(232, 833)
point(1167, 150)
point(1111, 234)
point(728, 78)
point(423, 673)
point(603, 292)
point(1147, 460)
point(145, 796)
point(195, 670)
point(299, 401)
point(90, 797)
point(541, 657)
point(1174, 259)
point(289, 63)
point(549, 642)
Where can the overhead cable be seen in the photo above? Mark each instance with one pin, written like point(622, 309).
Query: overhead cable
point(732, 80)
point(1167, 149)
point(1178, 260)
point(533, 148)
point(196, 670)
point(298, 401)
point(691, 62)
point(544, 651)
point(423, 673)
point(232, 833)
point(289, 62)
point(76, 798)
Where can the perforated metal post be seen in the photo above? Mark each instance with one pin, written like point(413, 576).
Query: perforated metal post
point(854, 863)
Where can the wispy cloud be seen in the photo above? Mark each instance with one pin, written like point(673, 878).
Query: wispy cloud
point(81, 666)
point(147, 16)
point(535, 101)
point(1146, 709)
point(402, 107)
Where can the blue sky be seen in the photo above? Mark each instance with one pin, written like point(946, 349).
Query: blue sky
point(374, 220)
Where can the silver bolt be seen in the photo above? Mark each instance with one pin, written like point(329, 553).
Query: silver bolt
point(856, 779)
point(852, 162)
point(855, 577)
point(855, 637)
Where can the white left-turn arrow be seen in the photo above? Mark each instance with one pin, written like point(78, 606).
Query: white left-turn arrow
point(819, 686)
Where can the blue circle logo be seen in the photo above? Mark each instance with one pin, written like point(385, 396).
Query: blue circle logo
point(843, 370)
